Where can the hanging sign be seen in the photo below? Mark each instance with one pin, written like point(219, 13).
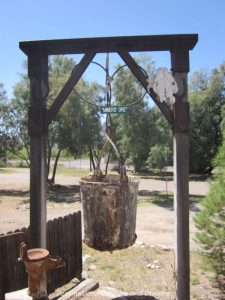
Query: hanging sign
point(114, 109)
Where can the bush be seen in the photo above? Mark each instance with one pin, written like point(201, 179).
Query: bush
point(211, 220)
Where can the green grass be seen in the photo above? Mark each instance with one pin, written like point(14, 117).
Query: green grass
point(6, 171)
point(71, 172)
point(145, 202)
point(194, 280)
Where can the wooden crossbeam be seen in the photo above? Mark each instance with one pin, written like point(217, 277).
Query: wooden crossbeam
point(138, 73)
point(68, 87)
point(111, 44)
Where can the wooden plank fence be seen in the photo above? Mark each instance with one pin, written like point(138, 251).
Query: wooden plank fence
point(63, 239)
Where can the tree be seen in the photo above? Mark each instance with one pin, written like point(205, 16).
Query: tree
point(134, 130)
point(163, 139)
point(60, 68)
point(211, 220)
point(3, 137)
point(17, 114)
point(207, 100)
point(75, 126)
point(159, 156)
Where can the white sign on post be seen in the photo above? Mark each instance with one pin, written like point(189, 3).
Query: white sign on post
point(163, 84)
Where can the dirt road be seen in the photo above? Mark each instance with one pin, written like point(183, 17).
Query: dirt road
point(155, 224)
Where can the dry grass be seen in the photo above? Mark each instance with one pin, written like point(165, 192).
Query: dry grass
point(128, 271)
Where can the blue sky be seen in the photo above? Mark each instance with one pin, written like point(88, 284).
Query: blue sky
point(23, 20)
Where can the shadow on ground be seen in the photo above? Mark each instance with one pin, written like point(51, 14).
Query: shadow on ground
point(55, 193)
point(135, 298)
point(60, 193)
point(166, 200)
point(14, 193)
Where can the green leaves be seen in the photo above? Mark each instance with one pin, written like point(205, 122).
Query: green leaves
point(207, 102)
point(77, 124)
point(211, 220)
point(159, 156)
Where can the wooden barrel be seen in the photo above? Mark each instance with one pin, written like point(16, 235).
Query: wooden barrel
point(109, 212)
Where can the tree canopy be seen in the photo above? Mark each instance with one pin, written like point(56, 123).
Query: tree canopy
point(139, 133)
point(75, 127)
point(135, 129)
point(4, 142)
point(207, 101)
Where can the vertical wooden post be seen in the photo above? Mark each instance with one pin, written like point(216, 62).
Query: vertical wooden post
point(180, 68)
point(37, 126)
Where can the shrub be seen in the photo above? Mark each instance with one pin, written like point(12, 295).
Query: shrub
point(211, 220)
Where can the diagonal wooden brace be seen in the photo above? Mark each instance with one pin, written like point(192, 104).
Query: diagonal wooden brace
point(68, 87)
point(131, 63)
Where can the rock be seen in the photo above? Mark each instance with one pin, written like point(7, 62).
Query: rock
point(85, 257)
point(84, 275)
point(92, 267)
point(166, 248)
point(139, 243)
point(154, 265)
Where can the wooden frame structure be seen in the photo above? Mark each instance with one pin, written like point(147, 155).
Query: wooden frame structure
point(40, 117)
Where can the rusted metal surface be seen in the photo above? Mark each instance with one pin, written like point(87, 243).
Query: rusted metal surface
point(109, 212)
point(37, 254)
point(37, 262)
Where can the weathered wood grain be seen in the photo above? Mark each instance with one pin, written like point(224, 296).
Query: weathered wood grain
point(111, 44)
point(80, 290)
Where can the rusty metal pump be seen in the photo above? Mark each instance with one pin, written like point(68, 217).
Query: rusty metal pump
point(37, 262)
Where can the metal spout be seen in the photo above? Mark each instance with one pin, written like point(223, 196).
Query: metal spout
point(37, 262)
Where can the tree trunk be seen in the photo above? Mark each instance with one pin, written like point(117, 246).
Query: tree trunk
point(49, 158)
point(55, 166)
point(107, 162)
point(92, 161)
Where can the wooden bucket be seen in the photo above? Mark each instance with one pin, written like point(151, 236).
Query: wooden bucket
point(109, 212)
